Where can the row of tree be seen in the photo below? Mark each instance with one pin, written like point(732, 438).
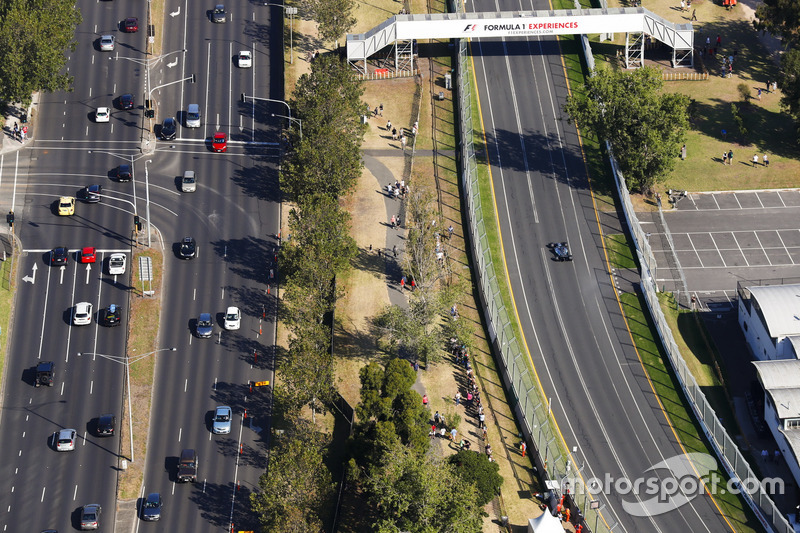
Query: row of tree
point(34, 36)
point(321, 166)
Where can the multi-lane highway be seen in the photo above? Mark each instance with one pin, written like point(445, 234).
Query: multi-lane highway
point(232, 215)
point(569, 313)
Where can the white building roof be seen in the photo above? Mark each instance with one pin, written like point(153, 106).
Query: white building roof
point(780, 305)
point(779, 374)
point(781, 380)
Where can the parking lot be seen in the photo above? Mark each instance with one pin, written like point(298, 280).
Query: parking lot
point(722, 238)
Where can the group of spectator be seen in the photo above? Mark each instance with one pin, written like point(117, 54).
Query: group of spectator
point(472, 396)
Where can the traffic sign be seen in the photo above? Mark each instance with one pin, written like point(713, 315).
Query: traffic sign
point(261, 383)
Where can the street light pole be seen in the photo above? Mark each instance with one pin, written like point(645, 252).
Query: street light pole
point(245, 97)
point(291, 11)
point(147, 200)
point(128, 362)
point(299, 121)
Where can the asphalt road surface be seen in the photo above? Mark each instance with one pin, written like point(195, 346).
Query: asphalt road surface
point(232, 216)
point(569, 313)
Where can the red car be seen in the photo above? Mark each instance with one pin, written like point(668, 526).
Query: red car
point(130, 25)
point(220, 142)
point(89, 254)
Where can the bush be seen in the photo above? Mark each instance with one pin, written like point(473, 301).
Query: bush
point(476, 469)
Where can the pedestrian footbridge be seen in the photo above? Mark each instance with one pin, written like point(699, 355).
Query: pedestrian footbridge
point(401, 31)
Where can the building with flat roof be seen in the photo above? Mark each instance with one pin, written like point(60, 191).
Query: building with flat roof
point(770, 320)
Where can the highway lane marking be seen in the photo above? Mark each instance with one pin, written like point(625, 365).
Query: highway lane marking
point(91, 387)
point(186, 385)
point(62, 383)
point(208, 80)
point(14, 190)
point(180, 432)
point(253, 88)
point(71, 317)
point(76, 250)
point(75, 493)
point(44, 489)
point(236, 468)
point(88, 273)
point(44, 311)
point(230, 83)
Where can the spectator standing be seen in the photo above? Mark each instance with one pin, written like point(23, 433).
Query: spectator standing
point(766, 161)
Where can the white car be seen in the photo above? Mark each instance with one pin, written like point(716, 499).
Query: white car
point(83, 314)
point(65, 440)
point(244, 59)
point(116, 264)
point(102, 115)
point(106, 43)
point(233, 318)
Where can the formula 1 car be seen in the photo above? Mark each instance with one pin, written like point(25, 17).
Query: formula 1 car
point(560, 251)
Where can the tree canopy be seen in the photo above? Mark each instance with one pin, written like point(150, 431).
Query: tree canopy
point(476, 469)
point(782, 19)
point(644, 125)
point(326, 160)
point(292, 494)
point(34, 36)
point(335, 17)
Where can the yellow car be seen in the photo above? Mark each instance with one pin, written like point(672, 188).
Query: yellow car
point(66, 205)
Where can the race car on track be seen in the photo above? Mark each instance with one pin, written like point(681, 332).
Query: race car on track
point(560, 251)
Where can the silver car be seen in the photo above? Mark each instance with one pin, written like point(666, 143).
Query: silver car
point(65, 440)
point(222, 420)
point(189, 181)
point(107, 43)
point(90, 516)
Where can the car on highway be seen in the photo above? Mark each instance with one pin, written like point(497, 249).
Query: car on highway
point(88, 254)
point(187, 466)
point(66, 206)
point(65, 440)
point(220, 142)
point(82, 316)
point(102, 115)
point(233, 318)
point(244, 59)
point(106, 425)
point(188, 249)
point(218, 14)
point(151, 508)
point(189, 181)
point(222, 420)
point(58, 255)
point(168, 129)
point(124, 172)
point(111, 316)
point(130, 25)
point(560, 251)
point(90, 516)
point(205, 327)
point(117, 263)
point(91, 194)
point(127, 101)
point(193, 116)
point(106, 43)
point(45, 374)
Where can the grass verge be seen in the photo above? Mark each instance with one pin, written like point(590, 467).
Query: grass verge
point(143, 322)
point(7, 291)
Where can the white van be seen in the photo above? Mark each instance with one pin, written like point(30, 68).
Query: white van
point(193, 116)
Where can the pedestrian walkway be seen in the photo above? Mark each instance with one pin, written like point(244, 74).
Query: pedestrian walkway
point(16, 125)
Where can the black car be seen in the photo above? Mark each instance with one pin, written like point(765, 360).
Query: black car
point(151, 509)
point(218, 15)
point(58, 256)
point(168, 129)
point(124, 173)
point(188, 248)
point(561, 251)
point(127, 101)
point(106, 425)
point(45, 374)
point(91, 193)
point(111, 316)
